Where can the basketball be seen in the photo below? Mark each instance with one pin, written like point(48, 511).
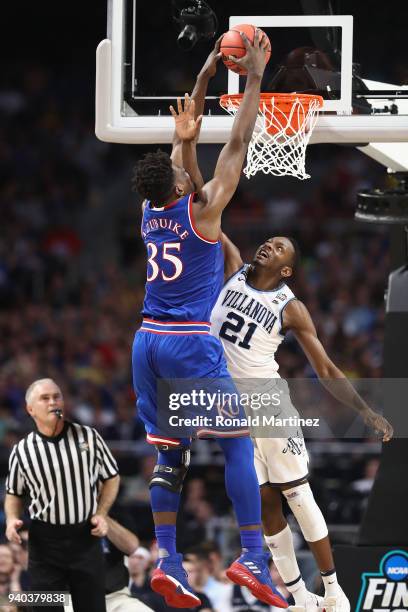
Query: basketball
point(232, 44)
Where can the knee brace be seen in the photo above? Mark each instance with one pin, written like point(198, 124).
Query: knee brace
point(307, 513)
point(171, 468)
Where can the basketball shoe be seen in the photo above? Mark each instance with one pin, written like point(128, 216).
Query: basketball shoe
point(336, 603)
point(170, 580)
point(251, 571)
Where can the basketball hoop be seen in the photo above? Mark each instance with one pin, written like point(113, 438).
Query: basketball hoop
point(282, 131)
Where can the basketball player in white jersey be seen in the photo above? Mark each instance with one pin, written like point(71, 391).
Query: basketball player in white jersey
point(250, 343)
point(252, 313)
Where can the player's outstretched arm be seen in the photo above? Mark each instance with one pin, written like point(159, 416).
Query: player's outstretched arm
point(187, 129)
point(297, 318)
point(232, 257)
point(199, 92)
point(216, 194)
point(206, 73)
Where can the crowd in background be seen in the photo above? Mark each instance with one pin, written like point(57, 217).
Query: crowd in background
point(72, 270)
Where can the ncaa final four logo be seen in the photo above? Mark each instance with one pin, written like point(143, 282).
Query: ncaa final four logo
point(386, 591)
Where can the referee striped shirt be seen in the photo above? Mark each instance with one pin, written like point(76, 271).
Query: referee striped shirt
point(61, 474)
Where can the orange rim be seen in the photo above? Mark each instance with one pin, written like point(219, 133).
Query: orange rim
point(283, 104)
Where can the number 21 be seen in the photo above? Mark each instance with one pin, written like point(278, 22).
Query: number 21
point(235, 324)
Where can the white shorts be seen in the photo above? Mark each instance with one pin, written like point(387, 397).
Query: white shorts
point(280, 461)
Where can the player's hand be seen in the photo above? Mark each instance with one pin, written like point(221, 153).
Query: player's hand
point(379, 424)
point(101, 525)
point(12, 530)
point(255, 56)
point(187, 128)
point(210, 67)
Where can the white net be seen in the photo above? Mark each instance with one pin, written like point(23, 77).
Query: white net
point(281, 134)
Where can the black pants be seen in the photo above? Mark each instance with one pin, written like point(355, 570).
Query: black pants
point(67, 558)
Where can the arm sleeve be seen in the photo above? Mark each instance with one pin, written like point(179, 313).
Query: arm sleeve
point(15, 480)
point(108, 468)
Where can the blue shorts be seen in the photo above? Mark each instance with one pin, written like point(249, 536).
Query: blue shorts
point(170, 351)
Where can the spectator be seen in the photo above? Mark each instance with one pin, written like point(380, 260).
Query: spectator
point(139, 564)
point(10, 571)
point(195, 580)
point(195, 493)
point(20, 556)
point(215, 564)
point(119, 541)
point(219, 593)
point(364, 485)
point(137, 487)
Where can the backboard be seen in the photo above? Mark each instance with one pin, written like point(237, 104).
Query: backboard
point(140, 71)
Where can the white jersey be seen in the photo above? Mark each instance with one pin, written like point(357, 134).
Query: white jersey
point(249, 324)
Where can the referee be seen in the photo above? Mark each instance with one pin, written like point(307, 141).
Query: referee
point(71, 479)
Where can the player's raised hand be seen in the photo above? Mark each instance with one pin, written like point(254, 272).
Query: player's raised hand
point(210, 67)
point(379, 424)
point(254, 59)
point(187, 128)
